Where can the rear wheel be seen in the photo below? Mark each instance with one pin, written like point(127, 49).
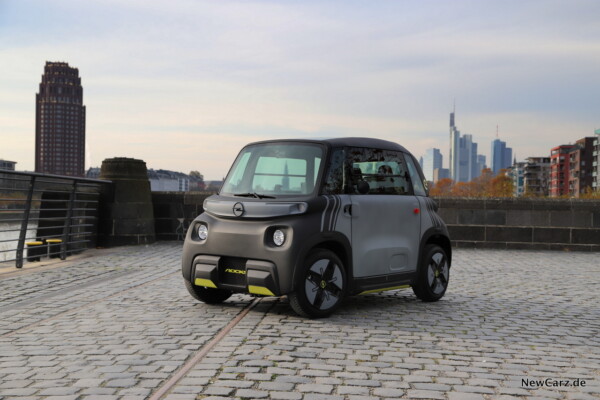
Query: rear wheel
point(207, 295)
point(320, 285)
point(434, 274)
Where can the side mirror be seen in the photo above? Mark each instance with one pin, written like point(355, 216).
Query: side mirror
point(363, 187)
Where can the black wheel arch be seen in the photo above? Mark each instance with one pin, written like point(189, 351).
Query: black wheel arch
point(333, 241)
point(439, 236)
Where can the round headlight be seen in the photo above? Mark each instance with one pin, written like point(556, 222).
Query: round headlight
point(202, 232)
point(278, 237)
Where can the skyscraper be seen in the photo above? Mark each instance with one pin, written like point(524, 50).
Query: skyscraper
point(501, 156)
point(454, 139)
point(431, 160)
point(60, 122)
point(464, 161)
point(467, 159)
point(481, 163)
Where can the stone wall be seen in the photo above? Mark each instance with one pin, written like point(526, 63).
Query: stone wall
point(536, 224)
point(554, 224)
point(174, 211)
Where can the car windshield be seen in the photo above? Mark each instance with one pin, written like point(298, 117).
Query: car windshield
point(275, 169)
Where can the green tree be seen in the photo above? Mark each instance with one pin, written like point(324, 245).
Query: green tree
point(197, 174)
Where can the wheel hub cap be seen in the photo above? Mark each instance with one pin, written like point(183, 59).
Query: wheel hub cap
point(438, 273)
point(324, 283)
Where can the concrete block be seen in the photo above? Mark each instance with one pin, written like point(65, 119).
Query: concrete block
point(551, 204)
point(540, 218)
point(585, 204)
point(471, 217)
point(449, 215)
point(508, 234)
point(460, 203)
point(461, 232)
point(518, 218)
point(507, 204)
point(582, 219)
point(562, 219)
point(585, 236)
point(596, 219)
point(495, 217)
point(551, 235)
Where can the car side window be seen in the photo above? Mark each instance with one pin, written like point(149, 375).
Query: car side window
point(418, 184)
point(335, 178)
point(376, 171)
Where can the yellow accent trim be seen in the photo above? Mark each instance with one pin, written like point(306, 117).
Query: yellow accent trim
point(235, 271)
point(205, 283)
point(53, 240)
point(260, 290)
point(384, 289)
point(34, 243)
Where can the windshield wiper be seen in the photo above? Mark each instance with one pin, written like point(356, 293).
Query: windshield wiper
point(255, 195)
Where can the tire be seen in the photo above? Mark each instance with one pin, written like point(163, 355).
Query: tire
point(434, 274)
point(207, 295)
point(320, 285)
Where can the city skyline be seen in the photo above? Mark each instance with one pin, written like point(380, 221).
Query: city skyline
point(185, 85)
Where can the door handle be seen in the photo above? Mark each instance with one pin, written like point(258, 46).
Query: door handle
point(348, 210)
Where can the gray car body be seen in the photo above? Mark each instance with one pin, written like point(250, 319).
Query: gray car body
point(383, 250)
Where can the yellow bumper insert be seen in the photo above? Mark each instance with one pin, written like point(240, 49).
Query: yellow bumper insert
point(260, 290)
point(205, 283)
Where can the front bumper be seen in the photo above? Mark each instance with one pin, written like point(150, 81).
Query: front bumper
point(238, 275)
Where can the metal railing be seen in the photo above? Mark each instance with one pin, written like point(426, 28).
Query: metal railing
point(47, 215)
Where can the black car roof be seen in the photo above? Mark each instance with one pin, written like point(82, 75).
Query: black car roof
point(347, 142)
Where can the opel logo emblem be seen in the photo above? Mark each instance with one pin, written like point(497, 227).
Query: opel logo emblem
point(238, 209)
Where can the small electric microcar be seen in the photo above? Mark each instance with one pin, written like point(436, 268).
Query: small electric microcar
point(318, 220)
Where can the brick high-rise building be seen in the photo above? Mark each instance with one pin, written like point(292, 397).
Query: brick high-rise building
point(596, 162)
point(60, 122)
point(559, 170)
point(581, 166)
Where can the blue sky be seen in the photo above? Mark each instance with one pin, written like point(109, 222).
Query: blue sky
point(185, 84)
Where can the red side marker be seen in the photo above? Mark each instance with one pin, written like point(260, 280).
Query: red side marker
point(416, 211)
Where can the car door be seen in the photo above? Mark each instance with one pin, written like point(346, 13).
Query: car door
point(385, 216)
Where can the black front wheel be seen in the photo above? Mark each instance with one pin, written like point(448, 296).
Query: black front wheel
point(207, 295)
point(434, 274)
point(320, 285)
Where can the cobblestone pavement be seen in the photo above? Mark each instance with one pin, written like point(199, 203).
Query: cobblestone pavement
point(119, 324)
